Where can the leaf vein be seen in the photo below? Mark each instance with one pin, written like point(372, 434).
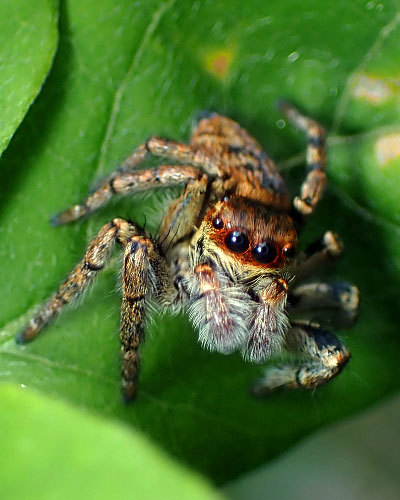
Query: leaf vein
point(115, 108)
point(382, 35)
point(364, 212)
point(60, 366)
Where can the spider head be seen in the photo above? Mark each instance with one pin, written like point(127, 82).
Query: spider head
point(249, 237)
point(240, 257)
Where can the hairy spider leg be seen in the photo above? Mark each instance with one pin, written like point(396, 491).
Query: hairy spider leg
point(338, 301)
point(326, 355)
point(183, 214)
point(313, 187)
point(144, 273)
point(181, 271)
point(165, 175)
point(128, 183)
point(95, 258)
point(175, 232)
point(317, 255)
point(341, 299)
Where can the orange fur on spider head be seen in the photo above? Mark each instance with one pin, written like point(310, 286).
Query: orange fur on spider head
point(259, 225)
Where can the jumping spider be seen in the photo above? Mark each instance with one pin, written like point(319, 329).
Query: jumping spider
point(225, 250)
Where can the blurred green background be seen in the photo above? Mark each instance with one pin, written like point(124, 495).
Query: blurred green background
point(82, 83)
point(356, 459)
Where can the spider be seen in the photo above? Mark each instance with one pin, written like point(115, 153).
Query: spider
point(225, 251)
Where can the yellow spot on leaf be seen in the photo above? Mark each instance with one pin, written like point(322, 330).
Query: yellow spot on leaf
point(387, 148)
point(375, 89)
point(218, 62)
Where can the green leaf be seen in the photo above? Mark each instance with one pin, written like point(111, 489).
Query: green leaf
point(126, 71)
point(62, 453)
point(28, 40)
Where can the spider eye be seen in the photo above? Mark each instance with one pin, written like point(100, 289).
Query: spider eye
point(264, 252)
point(237, 241)
point(218, 223)
point(288, 251)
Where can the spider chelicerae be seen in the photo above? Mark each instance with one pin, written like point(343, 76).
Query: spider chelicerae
point(225, 251)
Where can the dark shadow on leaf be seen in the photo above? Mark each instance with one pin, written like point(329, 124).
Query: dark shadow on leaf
point(32, 135)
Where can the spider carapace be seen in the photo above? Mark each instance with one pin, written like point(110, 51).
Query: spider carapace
point(225, 251)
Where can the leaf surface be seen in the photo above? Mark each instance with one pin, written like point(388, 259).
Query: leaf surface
point(65, 453)
point(126, 71)
point(28, 40)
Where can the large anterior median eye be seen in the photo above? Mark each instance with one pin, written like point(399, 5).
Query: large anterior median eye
point(264, 252)
point(237, 241)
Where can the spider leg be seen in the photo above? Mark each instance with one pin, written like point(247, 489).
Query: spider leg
point(165, 175)
point(128, 183)
point(183, 213)
point(326, 355)
point(144, 273)
point(96, 257)
point(341, 300)
point(313, 187)
point(175, 231)
point(181, 271)
point(319, 254)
